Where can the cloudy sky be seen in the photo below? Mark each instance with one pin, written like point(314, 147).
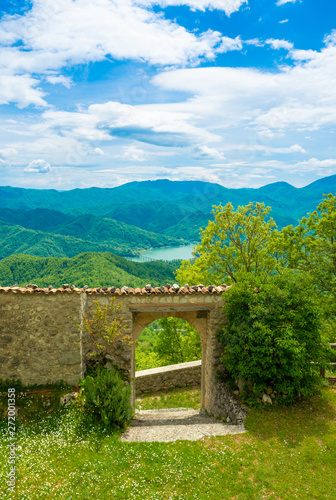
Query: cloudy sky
point(99, 93)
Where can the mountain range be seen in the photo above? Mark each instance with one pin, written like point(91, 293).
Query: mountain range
point(135, 216)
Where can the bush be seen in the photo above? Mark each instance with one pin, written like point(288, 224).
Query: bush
point(105, 330)
point(272, 335)
point(107, 399)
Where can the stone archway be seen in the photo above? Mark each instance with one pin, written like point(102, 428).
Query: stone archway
point(143, 317)
point(40, 343)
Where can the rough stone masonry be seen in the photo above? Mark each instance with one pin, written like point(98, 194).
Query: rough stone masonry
point(40, 343)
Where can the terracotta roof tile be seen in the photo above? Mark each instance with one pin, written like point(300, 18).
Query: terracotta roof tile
point(168, 290)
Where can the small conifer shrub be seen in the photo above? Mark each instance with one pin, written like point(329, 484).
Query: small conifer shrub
point(107, 399)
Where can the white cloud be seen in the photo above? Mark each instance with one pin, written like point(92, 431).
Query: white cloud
point(296, 97)
point(60, 79)
point(20, 89)
point(6, 153)
point(263, 111)
point(330, 39)
point(304, 55)
point(228, 6)
point(254, 41)
point(38, 166)
point(54, 35)
point(283, 21)
point(132, 153)
point(206, 153)
point(295, 148)
point(150, 124)
point(228, 44)
point(192, 173)
point(279, 44)
point(260, 106)
point(313, 164)
point(283, 2)
point(81, 31)
point(96, 152)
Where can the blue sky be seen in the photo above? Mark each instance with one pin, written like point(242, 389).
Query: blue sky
point(238, 92)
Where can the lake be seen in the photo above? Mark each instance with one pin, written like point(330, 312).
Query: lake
point(167, 253)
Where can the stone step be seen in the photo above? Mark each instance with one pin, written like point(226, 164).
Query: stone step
point(176, 424)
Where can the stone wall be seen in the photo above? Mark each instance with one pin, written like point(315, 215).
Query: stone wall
point(167, 377)
point(40, 342)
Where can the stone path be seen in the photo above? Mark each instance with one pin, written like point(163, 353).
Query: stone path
point(175, 424)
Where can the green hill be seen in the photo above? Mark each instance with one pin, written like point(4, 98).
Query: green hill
point(92, 269)
point(45, 233)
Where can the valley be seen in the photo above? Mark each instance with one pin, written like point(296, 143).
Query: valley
point(82, 236)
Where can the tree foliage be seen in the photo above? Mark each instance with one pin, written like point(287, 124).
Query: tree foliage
point(235, 242)
point(177, 341)
point(92, 269)
point(167, 341)
point(273, 334)
point(310, 247)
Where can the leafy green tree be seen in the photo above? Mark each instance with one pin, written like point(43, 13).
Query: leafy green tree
point(144, 360)
point(311, 247)
point(235, 242)
point(273, 334)
point(145, 355)
point(177, 342)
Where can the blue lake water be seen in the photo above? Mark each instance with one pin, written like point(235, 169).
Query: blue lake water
point(168, 253)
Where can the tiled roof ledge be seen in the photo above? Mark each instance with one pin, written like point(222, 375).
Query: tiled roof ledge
point(125, 290)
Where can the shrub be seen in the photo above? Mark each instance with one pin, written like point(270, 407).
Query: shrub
point(272, 335)
point(105, 328)
point(107, 399)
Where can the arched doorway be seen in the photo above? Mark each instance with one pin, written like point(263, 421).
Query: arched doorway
point(168, 363)
point(198, 319)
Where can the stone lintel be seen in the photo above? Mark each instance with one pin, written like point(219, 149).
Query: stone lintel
point(170, 308)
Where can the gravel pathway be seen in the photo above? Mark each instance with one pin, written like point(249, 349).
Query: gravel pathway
point(175, 424)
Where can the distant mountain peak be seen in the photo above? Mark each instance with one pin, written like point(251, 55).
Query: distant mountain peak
point(326, 182)
point(277, 185)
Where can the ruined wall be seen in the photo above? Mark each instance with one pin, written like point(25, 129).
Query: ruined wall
point(167, 377)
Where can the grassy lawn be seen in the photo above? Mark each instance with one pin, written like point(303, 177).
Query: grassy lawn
point(287, 453)
point(189, 397)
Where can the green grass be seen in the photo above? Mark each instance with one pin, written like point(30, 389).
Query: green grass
point(188, 397)
point(34, 407)
point(287, 453)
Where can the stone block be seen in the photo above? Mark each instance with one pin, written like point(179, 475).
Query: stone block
point(5, 339)
point(69, 357)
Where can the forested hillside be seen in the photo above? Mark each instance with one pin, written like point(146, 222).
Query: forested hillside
point(173, 208)
point(45, 232)
point(92, 269)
